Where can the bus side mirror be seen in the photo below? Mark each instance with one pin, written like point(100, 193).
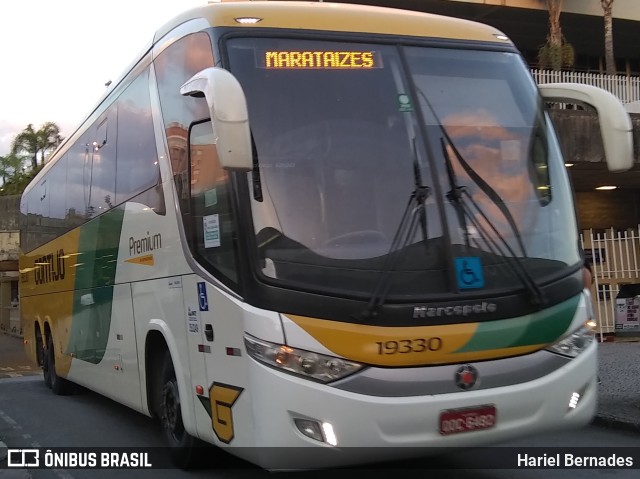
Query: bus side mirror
point(615, 123)
point(229, 116)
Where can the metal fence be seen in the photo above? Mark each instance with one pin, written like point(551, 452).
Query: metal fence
point(626, 88)
point(615, 256)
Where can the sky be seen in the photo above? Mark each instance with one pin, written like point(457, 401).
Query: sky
point(57, 55)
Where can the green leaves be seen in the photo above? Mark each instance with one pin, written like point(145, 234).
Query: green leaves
point(37, 143)
point(28, 145)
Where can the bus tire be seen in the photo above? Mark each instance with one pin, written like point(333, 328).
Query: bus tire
point(45, 366)
point(59, 386)
point(182, 444)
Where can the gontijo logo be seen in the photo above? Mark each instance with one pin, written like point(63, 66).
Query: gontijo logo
point(50, 267)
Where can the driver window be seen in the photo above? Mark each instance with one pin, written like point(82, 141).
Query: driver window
point(214, 232)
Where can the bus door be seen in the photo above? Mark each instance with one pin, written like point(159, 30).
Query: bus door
point(215, 325)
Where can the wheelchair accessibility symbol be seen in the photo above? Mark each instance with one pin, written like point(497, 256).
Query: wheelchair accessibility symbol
point(469, 272)
point(203, 302)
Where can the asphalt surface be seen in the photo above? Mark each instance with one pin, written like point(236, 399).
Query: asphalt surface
point(619, 389)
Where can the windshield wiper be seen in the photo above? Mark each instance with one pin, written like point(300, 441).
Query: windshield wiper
point(458, 196)
point(458, 193)
point(454, 195)
point(414, 212)
point(421, 194)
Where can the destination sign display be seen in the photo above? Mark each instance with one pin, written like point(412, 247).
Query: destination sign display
point(320, 60)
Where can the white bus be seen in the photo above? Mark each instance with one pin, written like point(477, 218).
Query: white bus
point(318, 225)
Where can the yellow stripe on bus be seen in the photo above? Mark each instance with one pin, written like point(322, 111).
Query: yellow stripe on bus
point(47, 277)
point(401, 346)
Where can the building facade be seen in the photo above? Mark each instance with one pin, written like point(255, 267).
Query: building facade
point(526, 23)
point(9, 252)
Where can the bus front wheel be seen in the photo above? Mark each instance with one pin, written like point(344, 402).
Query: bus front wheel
point(181, 442)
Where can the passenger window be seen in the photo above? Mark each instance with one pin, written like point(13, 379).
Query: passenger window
point(137, 166)
point(101, 195)
point(214, 232)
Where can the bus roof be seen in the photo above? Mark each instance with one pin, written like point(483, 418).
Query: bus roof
point(319, 16)
point(339, 17)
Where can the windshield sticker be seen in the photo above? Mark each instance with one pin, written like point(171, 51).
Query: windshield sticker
point(319, 60)
point(512, 150)
point(404, 103)
point(211, 230)
point(469, 272)
point(210, 197)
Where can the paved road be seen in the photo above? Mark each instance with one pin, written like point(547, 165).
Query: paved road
point(13, 362)
point(619, 389)
point(88, 419)
point(112, 424)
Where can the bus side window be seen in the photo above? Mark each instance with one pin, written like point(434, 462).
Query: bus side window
point(213, 228)
point(137, 164)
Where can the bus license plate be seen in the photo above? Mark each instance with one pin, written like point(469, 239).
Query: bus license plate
point(454, 421)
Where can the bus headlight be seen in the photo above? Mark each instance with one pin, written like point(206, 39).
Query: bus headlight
point(576, 342)
point(302, 363)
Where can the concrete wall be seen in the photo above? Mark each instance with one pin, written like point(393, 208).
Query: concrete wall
point(9, 251)
point(9, 227)
point(9, 245)
point(9, 213)
point(600, 211)
point(580, 138)
point(9, 310)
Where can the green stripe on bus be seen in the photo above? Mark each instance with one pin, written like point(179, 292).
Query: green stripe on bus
point(538, 328)
point(95, 276)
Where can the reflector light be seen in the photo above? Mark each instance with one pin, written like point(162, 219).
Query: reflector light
point(199, 390)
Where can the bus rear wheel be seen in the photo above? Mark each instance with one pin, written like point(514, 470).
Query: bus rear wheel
point(59, 386)
point(43, 353)
point(181, 442)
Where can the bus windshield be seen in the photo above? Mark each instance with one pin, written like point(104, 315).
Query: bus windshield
point(402, 161)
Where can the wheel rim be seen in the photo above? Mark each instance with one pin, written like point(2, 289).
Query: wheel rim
point(171, 411)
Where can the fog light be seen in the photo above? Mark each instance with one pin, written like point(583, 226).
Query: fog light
point(310, 429)
point(573, 402)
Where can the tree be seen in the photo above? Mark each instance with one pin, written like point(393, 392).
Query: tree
point(14, 177)
point(27, 141)
point(609, 58)
point(37, 143)
point(10, 166)
point(49, 137)
point(556, 52)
